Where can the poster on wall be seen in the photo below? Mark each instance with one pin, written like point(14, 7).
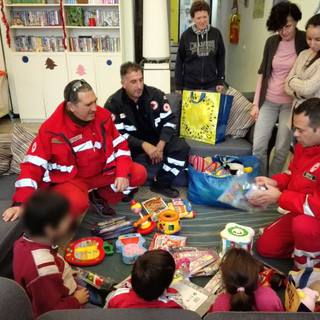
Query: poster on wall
point(185, 20)
point(258, 9)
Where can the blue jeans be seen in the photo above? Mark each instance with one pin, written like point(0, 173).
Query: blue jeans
point(271, 113)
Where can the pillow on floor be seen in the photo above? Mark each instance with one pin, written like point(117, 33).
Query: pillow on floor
point(239, 121)
point(21, 141)
point(5, 152)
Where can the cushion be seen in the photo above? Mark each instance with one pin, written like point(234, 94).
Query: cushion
point(5, 152)
point(21, 141)
point(229, 147)
point(239, 121)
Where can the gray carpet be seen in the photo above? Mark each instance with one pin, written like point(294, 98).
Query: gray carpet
point(203, 231)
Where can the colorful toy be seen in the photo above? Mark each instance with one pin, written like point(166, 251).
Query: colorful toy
point(308, 297)
point(183, 208)
point(131, 246)
point(87, 251)
point(143, 224)
point(269, 277)
point(238, 236)
point(169, 222)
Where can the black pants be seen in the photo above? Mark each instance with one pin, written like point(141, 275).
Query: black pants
point(175, 156)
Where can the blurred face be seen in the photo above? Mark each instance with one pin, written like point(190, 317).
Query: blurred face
point(313, 38)
point(133, 84)
point(307, 136)
point(288, 32)
point(86, 107)
point(201, 19)
point(54, 234)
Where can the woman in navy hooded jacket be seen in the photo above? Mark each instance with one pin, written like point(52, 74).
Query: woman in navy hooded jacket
point(201, 55)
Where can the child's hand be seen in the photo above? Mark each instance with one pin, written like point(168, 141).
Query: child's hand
point(75, 273)
point(82, 295)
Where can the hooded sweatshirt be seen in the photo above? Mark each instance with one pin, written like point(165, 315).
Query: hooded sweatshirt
point(200, 60)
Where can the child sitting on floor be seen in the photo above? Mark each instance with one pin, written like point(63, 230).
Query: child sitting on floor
point(151, 277)
point(240, 275)
point(38, 268)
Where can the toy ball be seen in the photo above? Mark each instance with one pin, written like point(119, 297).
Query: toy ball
point(236, 236)
point(87, 251)
point(169, 222)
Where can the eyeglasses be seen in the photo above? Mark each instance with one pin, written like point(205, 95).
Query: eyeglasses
point(76, 86)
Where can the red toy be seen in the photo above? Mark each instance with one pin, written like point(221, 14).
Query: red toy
point(143, 224)
point(87, 251)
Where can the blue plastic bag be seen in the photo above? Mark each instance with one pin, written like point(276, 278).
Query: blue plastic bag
point(205, 189)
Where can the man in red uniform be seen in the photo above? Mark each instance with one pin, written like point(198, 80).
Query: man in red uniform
point(298, 191)
point(78, 149)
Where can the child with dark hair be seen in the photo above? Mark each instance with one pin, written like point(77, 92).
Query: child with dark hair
point(151, 277)
point(38, 268)
point(240, 275)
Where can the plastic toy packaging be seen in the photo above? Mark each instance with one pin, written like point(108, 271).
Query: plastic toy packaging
point(97, 281)
point(164, 241)
point(183, 207)
point(112, 228)
point(195, 262)
point(239, 193)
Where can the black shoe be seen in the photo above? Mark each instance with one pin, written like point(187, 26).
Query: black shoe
point(100, 205)
point(166, 191)
point(130, 196)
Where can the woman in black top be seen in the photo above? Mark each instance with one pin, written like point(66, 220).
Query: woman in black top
point(201, 55)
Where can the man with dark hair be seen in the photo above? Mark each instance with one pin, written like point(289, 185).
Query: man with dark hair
point(151, 277)
point(76, 150)
point(143, 116)
point(297, 190)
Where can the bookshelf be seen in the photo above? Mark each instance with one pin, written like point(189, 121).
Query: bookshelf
point(40, 62)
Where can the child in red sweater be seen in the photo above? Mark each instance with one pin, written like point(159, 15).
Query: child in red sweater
point(38, 268)
point(151, 277)
point(240, 275)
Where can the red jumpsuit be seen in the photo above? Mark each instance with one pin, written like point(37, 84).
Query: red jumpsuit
point(71, 159)
point(297, 232)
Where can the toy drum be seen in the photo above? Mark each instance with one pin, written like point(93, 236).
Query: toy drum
point(236, 236)
point(169, 222)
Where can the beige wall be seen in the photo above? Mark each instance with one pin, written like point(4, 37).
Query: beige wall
point(243, 60)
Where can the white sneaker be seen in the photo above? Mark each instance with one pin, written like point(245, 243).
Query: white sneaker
point(282, 211)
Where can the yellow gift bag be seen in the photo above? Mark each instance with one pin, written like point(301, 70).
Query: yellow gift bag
point(204, 116)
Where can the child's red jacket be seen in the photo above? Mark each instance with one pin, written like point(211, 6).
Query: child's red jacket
point(45, 276)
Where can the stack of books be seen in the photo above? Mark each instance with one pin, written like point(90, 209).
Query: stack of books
point(102, 17)
point(89, 1)
point(36, 18)
point(38, 44)
point(94, 44)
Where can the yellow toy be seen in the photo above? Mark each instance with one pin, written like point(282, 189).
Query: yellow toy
point(169, 222)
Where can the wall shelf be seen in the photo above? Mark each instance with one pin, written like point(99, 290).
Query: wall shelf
point(96, 27)
point(47, 72)
point(89, 5)
point(17, 5)
point(35, 27)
